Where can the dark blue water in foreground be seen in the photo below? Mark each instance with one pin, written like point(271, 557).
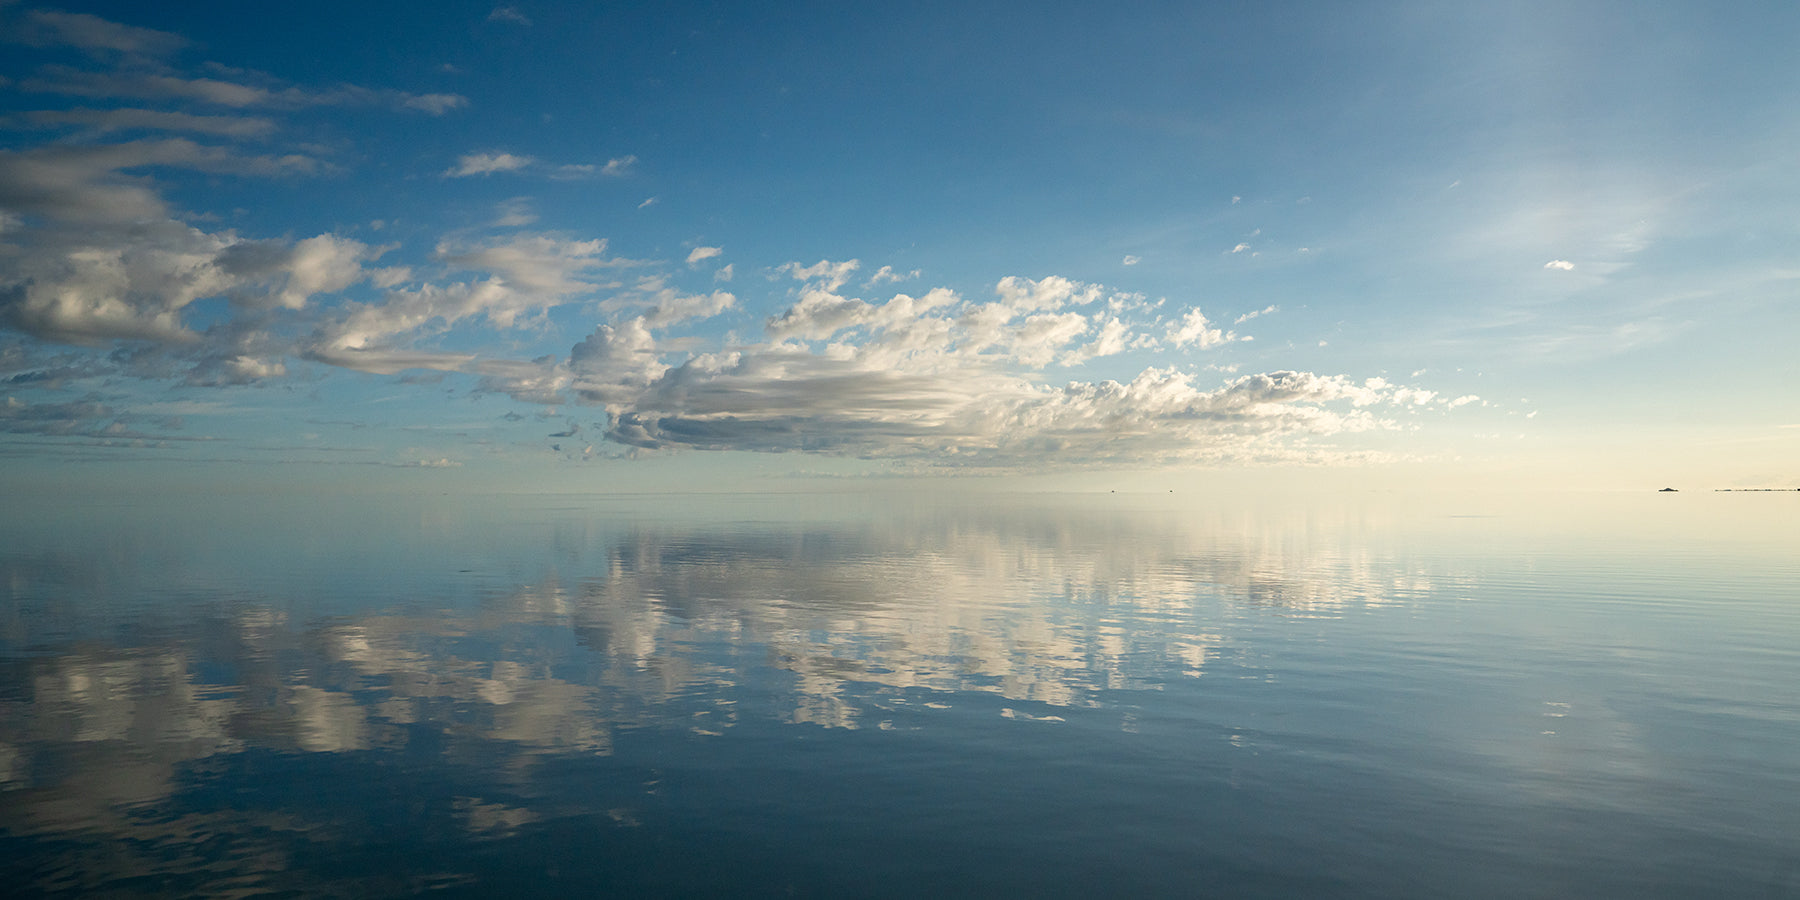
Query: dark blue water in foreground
point(890, 696)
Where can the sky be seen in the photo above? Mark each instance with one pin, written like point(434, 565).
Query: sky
point(533, 246)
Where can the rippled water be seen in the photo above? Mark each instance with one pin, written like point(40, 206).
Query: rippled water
point(887, 695)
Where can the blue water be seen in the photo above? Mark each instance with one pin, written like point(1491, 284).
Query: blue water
point(892, 695)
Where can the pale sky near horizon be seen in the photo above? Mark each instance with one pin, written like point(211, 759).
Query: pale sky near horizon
point(472, 246)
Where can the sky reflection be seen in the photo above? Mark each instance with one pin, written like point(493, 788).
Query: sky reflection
point(157, 699)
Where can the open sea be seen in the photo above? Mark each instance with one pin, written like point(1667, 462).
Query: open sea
point(893, 695)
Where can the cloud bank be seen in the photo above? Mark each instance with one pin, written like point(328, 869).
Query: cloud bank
point(104, 280)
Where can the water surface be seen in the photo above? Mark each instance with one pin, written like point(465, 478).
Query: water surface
point(832, 695)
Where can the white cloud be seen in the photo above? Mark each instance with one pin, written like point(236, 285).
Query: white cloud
point(439, 463)
point(514, 213)
point(487, 164)
point(220, 92)
point(776, 399)
point(830, 275)
point(1464, 400)
point(88, 32)
point(1130, 260)
point(322, 264)
point(941, 378)
point(648, 202)
point(509, 14)
point(1271, 308)
point(95, 256)
point(1240, 248)
point(96, 122)
point(1193, 330)
point(1114, 337)
point(672, 307)
point(1561, 264)
point(526, 274)
point(433, 104)
point(104, 259)
point(1054, 292)
point(887, 275)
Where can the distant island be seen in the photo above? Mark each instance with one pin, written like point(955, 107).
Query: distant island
point(1733, 490)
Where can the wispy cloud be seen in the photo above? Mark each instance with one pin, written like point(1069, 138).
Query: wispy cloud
point(887, 275)
point(99, 122)
point(514, 213)
point(488, 164)
point(499, 161)
point(227, 93)
point(42, 27)
point(830, 275)
point(1271, 308)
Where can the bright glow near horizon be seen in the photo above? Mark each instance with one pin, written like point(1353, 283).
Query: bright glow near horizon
point(675, 245)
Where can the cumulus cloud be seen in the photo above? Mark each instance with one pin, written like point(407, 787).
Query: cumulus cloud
point(1193, 330)
point(950, 380)
point(97, 266)
point(781, 400)
point(525, 275)
point(672, 307)
point(322, 264)
point(1130, 260)
point(1561, 265)
point(105, 259)
point(829, 275)
point(1114, 337)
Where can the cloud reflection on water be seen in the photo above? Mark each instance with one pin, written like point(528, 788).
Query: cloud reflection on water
point(106, 725)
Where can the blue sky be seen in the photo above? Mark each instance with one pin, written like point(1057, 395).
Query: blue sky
point(564, 247)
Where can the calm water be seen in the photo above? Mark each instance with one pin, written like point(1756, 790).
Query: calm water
point(853, 696)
